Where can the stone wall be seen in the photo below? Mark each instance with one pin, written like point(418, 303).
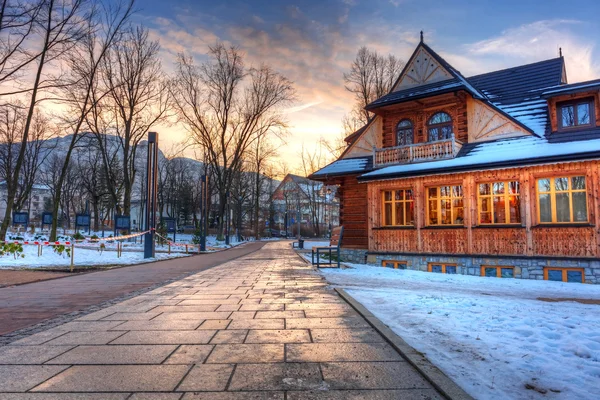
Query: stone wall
point(356, 256)
point(524, 268)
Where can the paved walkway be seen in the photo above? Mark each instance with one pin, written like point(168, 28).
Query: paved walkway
point(26, 305)
point(265, 326)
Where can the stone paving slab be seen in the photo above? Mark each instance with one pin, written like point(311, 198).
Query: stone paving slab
point(263, 327)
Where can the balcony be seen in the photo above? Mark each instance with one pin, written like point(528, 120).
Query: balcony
point(415, 153)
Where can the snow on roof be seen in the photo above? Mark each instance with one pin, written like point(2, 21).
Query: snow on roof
point(345, 166)
point(525, 149)
point(573, 86)
point(533, 114)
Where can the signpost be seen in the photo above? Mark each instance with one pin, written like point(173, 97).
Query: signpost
point(46, 219)
point(83, 221)
point(171, 225)
point(20, 218)
point(151, 185)
point(122, 223)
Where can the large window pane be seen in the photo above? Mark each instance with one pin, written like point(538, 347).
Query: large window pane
point(574, 276)
point(446, 213)
point(583, 114)
point(499, 210)
point(555, 275)
point(579, 207)
point(436, 268)
point(388, 196)
point(451, 269)
point(514, 208)
point(568, 116)
point(400, 214)
point(409, 213)
point(513, 187)
point(458, 211)
point(388, 213)
point(498, 187)
point(563, 209)
point(545, 209)
point(433, 212)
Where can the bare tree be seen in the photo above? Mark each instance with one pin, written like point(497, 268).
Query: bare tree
point(226, 107)
point(81, 88)
point(371, 76)
point(137, 100)
point(58, 28)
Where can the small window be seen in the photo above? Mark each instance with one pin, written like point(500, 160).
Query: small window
point(404, 133)
point(439, 127)
point(398, 207)
point(499, 203)
point(564, 274)
point(393, 264)
point(442, 268)
point(562, 200)
point(497, 271)
point(575, 113)
point(445, 205)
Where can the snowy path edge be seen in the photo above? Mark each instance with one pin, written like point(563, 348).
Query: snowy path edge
point(430, 372)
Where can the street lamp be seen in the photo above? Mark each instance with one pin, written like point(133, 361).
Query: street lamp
point(328, 204)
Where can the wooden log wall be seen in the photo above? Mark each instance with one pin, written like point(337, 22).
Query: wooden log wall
point(419, 113)
point(353, 213)
point(529, 238)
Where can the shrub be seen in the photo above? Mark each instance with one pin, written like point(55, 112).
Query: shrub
point(197, 237)
point(78, 236)
point(94, 237)
point(62, 250)
point(12, 248)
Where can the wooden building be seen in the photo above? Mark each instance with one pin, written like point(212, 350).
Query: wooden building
point(493, 175)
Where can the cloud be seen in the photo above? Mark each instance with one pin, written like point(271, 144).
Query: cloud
point(539, 40)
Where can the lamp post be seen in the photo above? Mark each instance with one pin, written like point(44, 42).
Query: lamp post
point(151, 183)
point(227, 218)
point(328, 204)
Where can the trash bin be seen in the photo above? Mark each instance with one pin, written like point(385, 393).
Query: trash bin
point(300, 243)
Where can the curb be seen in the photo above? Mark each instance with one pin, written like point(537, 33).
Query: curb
point(430, 372)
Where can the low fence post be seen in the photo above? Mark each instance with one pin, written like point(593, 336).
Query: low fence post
point(169, 247)
point(72, 255)
point(39, 250)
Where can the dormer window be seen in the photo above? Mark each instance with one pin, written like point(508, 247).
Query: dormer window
point(439, 127)
point(404, 133)
point(575, 113)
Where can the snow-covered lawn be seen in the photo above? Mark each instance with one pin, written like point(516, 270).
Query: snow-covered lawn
point(82, 257)
point(490, 335)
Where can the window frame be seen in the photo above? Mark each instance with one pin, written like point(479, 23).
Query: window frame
point(498, 269)
point(393, 203)
point(506, 195)
point(439, 199)
point(443, 265)
point(439, 126)
point(552, 194)
point(396, 263)
point(412, 132)
point(575, 103)
point(564, 271)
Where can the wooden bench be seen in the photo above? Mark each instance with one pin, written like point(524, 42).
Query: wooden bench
point(333, 248)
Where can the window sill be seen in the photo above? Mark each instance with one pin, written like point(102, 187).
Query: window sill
point(444, 227)
point(567, 225)
point(393, 228)
point(499, 226)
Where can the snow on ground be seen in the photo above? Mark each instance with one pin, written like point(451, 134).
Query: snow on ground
point(82, 257)
point(490, 335)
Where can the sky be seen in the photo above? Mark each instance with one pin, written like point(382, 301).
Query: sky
point(313, 42)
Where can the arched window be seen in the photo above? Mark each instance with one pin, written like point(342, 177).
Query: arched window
point(439, 127)
point(404, 133)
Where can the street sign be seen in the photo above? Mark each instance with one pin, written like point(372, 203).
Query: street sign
point(20, 218)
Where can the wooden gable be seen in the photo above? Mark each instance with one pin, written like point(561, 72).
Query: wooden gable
point(486, 123)
point(369, 138)
point(422, 69)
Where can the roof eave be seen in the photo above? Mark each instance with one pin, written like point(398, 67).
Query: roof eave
point(495, 165)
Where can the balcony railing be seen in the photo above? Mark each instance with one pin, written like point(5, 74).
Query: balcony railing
point(415, 153)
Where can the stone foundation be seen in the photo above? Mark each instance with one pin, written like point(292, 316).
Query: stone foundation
point(524, 268)
point(356, 256)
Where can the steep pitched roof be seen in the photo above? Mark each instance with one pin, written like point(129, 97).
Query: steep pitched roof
point(454, 82)
point(345, 166)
